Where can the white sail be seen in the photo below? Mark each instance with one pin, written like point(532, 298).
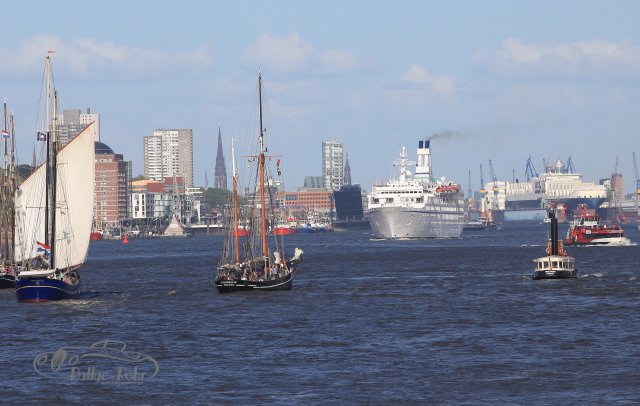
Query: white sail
point(74, 206)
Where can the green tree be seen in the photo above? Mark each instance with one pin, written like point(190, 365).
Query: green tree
point(217, 197)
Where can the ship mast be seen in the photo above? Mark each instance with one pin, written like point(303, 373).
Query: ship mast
point(261, 159)
point(12, 189)
point(54, 177)
point(235, 201)
point(52, 149)
point(4, 222)
point(47, 125)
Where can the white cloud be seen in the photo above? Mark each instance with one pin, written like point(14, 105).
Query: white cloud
point(282, 54)
point(291, 54)
point(88, 57)
point(442, 84)
point(337, 60)
point(596, 59)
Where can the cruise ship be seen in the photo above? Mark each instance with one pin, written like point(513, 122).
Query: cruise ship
point(559, 187)
point(416, 206)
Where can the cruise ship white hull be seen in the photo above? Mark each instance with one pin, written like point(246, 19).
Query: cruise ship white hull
point(405, 222)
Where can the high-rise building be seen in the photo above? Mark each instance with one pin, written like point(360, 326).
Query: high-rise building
point(169, 153)
point(71, 122)
point(220, 174)
point(332, 170)
point(112, 190)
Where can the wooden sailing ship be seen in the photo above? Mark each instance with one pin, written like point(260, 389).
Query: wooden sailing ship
point(257, 263)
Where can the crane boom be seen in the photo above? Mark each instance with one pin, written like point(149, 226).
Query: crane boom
point(635, 168)
point(469, 192)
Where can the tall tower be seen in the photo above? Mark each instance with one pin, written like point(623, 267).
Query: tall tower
point(347, 172)
point(332, 170)
point(220, 174)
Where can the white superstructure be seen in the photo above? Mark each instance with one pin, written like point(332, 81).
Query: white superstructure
point(416, 206)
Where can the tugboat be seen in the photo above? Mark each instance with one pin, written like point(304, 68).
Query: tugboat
point(587, 229)
point(556, 264)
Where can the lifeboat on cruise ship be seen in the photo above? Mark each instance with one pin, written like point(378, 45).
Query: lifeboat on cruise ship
point(448, 189)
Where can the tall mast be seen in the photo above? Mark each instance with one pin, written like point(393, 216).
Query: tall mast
point(4, 222)
point(235, 201)
point(47, 128)
point(12, 189)
point(263, 209)
point(52, 149)
point(54, 177)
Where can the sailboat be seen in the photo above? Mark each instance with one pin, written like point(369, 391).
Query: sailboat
point(54, 212)
point(7, 215)
point(256, 265)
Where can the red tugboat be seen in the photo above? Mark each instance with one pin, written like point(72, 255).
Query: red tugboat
point(587, 229)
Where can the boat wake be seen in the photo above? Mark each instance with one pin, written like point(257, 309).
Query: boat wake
point(590, 275)
point(622, 242)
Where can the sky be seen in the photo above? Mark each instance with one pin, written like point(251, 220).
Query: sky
point(492, 80)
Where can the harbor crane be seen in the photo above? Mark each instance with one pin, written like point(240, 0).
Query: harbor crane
point(529, 171)
point(570, 167)
point(635, 168)
point(483, 199)
point(469, 192)
point(494, 180)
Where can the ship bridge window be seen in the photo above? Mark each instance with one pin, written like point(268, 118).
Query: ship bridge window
point(554, 264)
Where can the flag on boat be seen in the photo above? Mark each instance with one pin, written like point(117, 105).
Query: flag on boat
point(41, 136)
point(44, 248)
point(5, 133)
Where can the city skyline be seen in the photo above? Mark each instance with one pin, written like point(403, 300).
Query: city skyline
point(492, 80)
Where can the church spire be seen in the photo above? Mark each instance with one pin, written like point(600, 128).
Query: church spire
point(347, 172)
point(220, 174)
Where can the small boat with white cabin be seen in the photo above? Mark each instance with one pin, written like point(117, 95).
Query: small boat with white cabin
point(556, 264)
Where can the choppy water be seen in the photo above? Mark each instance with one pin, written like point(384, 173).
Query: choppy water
point(367, 322)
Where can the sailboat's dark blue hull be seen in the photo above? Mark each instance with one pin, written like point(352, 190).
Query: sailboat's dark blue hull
point(31, 290)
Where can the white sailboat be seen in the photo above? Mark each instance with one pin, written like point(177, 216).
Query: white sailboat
point(54, 212)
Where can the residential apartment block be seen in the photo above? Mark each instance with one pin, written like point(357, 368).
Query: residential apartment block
point(332, 167)
point(169, 153)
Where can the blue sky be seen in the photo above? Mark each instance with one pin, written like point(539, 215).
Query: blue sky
point(509, 79)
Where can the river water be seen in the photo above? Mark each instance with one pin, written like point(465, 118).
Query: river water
point(454, 321)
